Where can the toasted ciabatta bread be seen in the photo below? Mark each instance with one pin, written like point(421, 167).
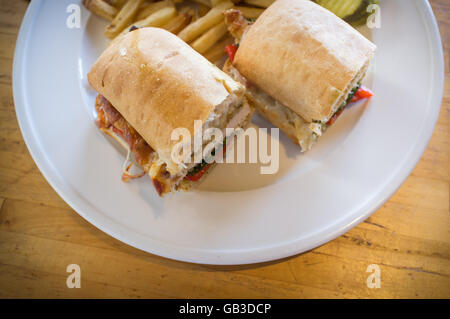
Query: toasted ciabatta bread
point(305, 57)
point(159, 83)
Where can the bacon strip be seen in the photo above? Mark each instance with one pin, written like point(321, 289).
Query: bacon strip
point(109, 118)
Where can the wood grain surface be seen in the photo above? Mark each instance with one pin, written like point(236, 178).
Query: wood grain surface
point(408, 237)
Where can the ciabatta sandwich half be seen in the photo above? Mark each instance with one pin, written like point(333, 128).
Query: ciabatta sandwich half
point(150, 82)
point(301, 65)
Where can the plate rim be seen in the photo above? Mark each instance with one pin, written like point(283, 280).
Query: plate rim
point(235, 257)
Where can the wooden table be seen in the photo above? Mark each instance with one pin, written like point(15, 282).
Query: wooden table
point(409, 237)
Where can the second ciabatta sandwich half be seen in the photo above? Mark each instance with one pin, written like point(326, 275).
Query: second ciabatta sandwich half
point(301, 64)
point(150, 82)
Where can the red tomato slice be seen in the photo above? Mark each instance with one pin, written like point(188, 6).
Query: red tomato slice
point(362, 93)
point(199, 174)
point(231, 49)
point(117, 131)
point(202, 172)
point(334, 117)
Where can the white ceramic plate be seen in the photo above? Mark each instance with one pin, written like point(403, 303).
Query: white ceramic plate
point(236, 216)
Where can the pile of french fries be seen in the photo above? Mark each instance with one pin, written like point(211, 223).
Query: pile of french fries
point(200, 23)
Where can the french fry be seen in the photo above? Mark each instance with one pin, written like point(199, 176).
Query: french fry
point(259, 3)
point(217, 51)
point(186, 9)
point(101, 8)
point(207, 40)
point(213, 17)
point(123, 18)
point(215, 2)
point(156, 19)
point(144, 5)
point(202, 10)
point(152, 8)
point(117, 3)
point(179, 22)
point(206, 3)
point(248, 12)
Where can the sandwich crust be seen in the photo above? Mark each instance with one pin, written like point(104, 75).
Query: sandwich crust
point(158, 83)
point(303, 56)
